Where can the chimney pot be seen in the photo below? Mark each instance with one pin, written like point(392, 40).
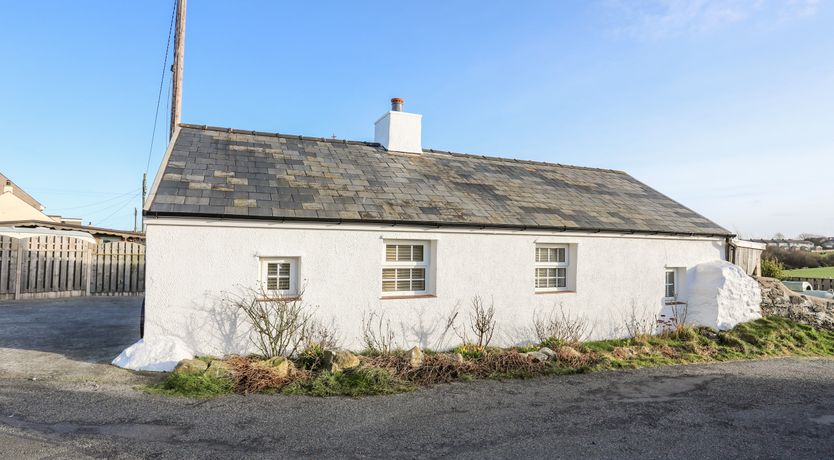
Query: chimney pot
point(397, 104)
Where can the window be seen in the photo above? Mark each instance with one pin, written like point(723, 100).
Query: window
point(280, 276)
point(551, 267)
point(671, 283)
point(405, 268)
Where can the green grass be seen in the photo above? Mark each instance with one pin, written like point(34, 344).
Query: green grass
point(191, 386)
point(763, 338)
point(819, 272)
point(353, 382)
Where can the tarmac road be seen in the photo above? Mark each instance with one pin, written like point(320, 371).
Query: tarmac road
point(59, 399)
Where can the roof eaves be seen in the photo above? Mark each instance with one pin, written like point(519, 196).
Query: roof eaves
point(437, 224)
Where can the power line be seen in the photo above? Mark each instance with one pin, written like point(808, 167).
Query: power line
point(161, 83)
point(101, 221)
point(94, 204)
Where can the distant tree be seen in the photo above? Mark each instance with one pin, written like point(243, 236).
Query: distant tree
point(809, 236)
point(778, 236)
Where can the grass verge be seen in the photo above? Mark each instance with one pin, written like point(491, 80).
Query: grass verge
point(388, 374)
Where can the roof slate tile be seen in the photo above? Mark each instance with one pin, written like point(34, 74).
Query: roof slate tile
point(223, 172)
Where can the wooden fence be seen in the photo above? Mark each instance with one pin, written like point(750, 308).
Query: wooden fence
point(59, 266)
point(820, 284)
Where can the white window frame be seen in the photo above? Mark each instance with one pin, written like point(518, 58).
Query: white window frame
point(425, 264)
point(564, 265)
point(264, 273)
point(675, 285)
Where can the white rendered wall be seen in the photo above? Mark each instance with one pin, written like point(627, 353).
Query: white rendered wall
point(190, 264)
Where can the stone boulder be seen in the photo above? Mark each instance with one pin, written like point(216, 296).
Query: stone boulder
point(550, 353)
point(282, 366)
point(778, 300)
point(415, 357)
point(338, 360)
point(536, 356)
point(191, 366)
point(220, 369)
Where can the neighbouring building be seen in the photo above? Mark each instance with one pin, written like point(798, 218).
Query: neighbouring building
point(16, 205)
point(788, 244)
point(391, 227)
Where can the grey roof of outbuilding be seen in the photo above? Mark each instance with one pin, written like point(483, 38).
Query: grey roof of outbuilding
point(227, 173)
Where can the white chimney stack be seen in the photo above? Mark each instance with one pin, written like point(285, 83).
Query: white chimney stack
point(399, 131)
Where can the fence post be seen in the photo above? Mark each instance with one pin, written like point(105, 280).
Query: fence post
point(18, 263)
point(88, 261)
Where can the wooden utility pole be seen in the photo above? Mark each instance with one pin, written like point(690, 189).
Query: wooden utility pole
point(176, 78)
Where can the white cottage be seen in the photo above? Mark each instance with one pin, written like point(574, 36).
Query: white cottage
point(388, 226)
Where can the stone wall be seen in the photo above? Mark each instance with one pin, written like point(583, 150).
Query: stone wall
point(781, 301)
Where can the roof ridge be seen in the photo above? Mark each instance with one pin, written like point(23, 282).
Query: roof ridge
point(377, 144)
point(516, 160)
point(276, 134)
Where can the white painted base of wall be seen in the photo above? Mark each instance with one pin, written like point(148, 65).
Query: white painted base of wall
point(191, 263)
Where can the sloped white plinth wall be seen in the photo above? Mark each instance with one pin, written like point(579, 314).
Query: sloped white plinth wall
point(159, 354)
point(721, 295)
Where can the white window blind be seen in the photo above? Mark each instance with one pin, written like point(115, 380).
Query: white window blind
point(551, 267)
point(671, 283)
point(279, 275)
point(405, 267)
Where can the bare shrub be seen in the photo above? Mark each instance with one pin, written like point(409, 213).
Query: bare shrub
point(674, 324)
point(639, 324)
point(559, 326)
point(481, 323)
point(378, 333)
point(281, 324)
point(448, 326)
point(322, 336)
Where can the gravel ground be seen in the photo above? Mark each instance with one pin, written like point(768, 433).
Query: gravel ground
point(78, 407)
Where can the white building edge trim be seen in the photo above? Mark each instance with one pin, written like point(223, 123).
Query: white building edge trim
point(391, 228)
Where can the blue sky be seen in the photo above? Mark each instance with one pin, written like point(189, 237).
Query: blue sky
point(725, 106)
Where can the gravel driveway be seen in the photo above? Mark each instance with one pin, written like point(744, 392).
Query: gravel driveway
point(754, 409)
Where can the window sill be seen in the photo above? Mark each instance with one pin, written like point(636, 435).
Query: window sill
point(286, 298)
point(673, 302)
point(412, 296)
point(556, 292)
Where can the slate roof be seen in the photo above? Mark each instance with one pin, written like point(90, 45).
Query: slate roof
point(227, 173)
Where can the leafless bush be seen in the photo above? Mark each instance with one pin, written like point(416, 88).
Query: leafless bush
point(378, 333)
point(281, 324)
point(560, 326)
point(639, 323)
point(481, 323)
point(448, 326)
point(675, 322)
point(322, 336)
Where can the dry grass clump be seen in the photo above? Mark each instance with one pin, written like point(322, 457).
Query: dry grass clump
point(445, 368)
point(252, 376)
